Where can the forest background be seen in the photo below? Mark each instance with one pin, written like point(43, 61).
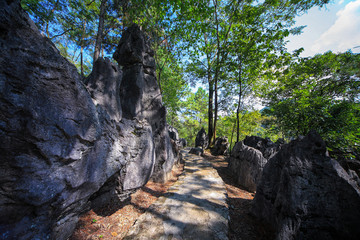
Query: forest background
point(233, 53)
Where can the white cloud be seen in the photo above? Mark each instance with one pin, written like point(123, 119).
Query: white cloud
point(344, 34)
point(341, 2)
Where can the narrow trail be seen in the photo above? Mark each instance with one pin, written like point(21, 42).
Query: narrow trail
point(193, 208)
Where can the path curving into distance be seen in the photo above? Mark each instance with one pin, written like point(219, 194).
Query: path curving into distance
point(193, 208)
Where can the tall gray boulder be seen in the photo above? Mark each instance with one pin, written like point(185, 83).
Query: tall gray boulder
point(221, 146)
point(61, 144)
point(103, 85)
point(246, 165)
point(304, 194)
point(264, 145)
point(202, 139)
point(141, 97)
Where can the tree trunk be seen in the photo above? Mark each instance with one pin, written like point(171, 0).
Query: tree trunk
point(99, 35)
point(217, 69)
point(216, 109)
point(239, 104)
point(210, 110)
point(82, 50)
point(232, 135)
point(81, 61)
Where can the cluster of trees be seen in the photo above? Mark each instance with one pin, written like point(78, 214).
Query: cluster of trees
point(235, 49)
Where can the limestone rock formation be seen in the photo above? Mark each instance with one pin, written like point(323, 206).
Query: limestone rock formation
point(141, 97)
point(202, 139)
point(264, 145)
point(64, 145)
point(221, 146)
point(173, 133)
point(182, 142)
point(197, 151)
point(246, 165)
point(104, 86)
point(304, 194)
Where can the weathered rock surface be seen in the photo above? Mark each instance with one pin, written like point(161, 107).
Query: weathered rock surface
point(202, 139)
point(264, 145)
point(197, 151)
point(182, 142)
point(246, 165)
point(221, 146)
point(173, 133)
point(104, 86)
point(61, 144)
point(304, 194)
point(140, 95)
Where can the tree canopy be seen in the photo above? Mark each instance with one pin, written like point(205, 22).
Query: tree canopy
point(234, 50)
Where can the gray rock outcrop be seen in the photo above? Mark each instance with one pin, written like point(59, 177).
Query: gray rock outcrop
point(304, 194)
point(197, 151)
point(201, 139)
point(173, 133)
point(264, 145)
point(63, 145)
point(103, 85)
point(182, 142)
point(221, 146)
point(246, 165)
point(141, 97)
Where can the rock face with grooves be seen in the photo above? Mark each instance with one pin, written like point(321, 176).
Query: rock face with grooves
point(246, 165)
point(104, 86)
point(221, 146)
point(141, 97)
point(202, 139)
point(264, 145)
point(64, 145)
point(304, 194)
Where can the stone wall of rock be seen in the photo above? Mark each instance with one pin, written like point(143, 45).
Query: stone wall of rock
point(221, 146)
point(64, 144)
point(141, 97)
point(264, 145)
point(202, 139)
point(246, 165)
point(304, 194)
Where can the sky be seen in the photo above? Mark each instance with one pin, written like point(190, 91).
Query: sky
point(335, 27)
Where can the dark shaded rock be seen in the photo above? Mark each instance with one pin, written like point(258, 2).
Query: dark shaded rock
point(182, 142)
point(304, 194)
point(197, 151)
point(173, 133)
point(246, 165)
point(202, 139)
point(140, 95)
point(58, 148)
point(264, 145)
point(104, 86)
point(221, 146)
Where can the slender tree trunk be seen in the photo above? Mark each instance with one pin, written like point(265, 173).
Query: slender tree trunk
point(217, 69)
point(216, 109)
point(239, 104)
point(81, 60)
point(232, 135)
point(210, 110)
point(82, 49)
point(99, 35)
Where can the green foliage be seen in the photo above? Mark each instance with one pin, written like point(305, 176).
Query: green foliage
point(320, 93)
point(192, 115)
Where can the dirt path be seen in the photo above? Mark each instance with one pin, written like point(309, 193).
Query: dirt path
point(242, 224)
point(193, 208)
